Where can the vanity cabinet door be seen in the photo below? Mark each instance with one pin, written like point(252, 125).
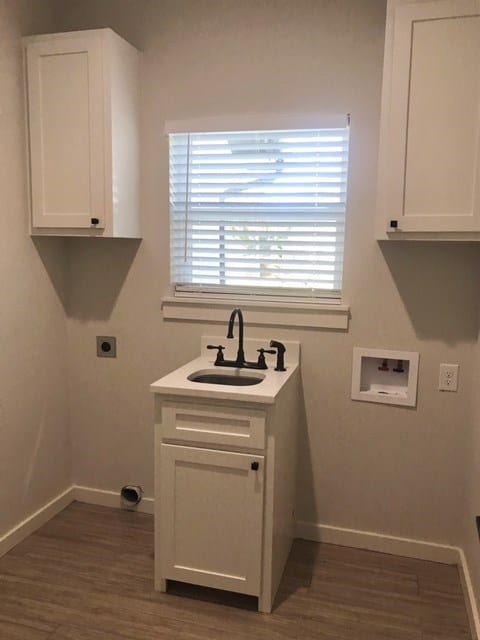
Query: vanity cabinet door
point(429, 165)
point(211, 505)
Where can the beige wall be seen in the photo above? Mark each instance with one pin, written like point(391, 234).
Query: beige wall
point(395, 470)
point(470, 542)
point(35, 453)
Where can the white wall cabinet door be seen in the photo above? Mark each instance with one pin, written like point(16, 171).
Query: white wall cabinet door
point(211, 505)
point(66, 126)
point(82, 91)
point(429, 168)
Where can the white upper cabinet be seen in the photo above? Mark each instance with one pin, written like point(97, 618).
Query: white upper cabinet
point(82, 103)
point(429, 172)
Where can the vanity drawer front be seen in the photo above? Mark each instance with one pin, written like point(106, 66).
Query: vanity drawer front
point(213, 424)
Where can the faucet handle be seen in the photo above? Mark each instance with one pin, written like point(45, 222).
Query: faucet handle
point(219, 360)
point(261, 358)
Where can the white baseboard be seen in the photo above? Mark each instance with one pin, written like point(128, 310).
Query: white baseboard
point(407, 547)
point(49, 510)
point(378, 542)
point(469, 593)
point(36, 520)
point(106, 498)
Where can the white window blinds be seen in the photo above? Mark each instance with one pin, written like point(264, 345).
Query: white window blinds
point(259, 212)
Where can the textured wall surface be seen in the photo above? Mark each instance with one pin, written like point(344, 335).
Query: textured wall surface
point(35, 452)
point(395, 470)
point(471, 535)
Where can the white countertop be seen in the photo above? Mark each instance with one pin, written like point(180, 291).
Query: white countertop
point(177, 383)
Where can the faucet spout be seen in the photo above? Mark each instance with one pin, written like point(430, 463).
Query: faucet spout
point(237, 313)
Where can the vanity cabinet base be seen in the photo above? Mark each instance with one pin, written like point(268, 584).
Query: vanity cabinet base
point(224, 517)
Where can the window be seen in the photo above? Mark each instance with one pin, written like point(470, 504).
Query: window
point(259, 212)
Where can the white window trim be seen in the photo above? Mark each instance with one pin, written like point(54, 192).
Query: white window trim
point(258, 312)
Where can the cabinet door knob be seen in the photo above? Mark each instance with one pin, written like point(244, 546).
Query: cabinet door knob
point(95, 221)
point(254, 466)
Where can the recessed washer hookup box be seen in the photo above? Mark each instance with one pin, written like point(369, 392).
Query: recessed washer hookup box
point(385, 376)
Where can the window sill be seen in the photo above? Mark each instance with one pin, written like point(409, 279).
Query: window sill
point(281, 314)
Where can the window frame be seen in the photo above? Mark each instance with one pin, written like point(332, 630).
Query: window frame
point(316, 311)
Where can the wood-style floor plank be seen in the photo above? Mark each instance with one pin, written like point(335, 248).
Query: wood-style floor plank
point(88, 575)
point(69, 632)
point(14, 631)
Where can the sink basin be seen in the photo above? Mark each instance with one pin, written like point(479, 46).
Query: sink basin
point(236, 377)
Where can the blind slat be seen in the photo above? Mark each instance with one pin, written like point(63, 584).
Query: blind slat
point(289, 167)
point(269, 222)
point(281, 262)
point(178, 208)
point(308, 244)
point(242, 244)
point(301, 252)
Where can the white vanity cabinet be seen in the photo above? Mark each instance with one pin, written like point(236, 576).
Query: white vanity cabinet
point(82, 100)
point(225, 488)
point(429, 161)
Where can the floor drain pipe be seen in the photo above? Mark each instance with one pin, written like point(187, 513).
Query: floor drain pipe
point(131, 495)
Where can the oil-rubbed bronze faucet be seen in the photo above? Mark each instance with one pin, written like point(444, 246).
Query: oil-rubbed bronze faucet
point(240, 361)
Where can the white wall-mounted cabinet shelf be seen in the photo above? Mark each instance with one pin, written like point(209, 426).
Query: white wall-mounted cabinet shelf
point(82, 107)
point(385, 376)
point(429, 160)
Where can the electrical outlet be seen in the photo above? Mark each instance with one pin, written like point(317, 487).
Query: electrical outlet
point(106, 347)
point(448, 378)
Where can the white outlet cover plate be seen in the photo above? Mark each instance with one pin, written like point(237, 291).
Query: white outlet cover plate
point(448, 377)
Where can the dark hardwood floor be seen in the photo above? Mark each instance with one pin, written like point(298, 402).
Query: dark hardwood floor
point(88, 575)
